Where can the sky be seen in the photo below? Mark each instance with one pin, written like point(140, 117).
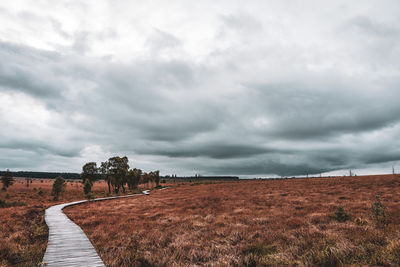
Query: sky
point(254, 88)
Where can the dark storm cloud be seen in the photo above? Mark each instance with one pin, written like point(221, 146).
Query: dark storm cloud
point(150, 102)
point(271, 167)
point(326, 110)
point(11, 158)
point(216, 151)
point(21, 70)
point(39, 147)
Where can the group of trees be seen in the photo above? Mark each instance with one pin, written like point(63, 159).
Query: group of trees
point(118, 175)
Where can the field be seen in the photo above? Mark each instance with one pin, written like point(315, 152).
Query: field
point(250, 223)
point(241, 223)
point(23, 232)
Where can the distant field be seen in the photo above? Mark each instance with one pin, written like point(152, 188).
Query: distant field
point(249, 223)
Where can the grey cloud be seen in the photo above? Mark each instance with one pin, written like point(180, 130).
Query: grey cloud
point(242, 22)
point(301, 111)
point(160, 40)
point(24, 69)
point(80, 44)
point(247, 105)
point(268, 167)
point(135, 104)
point(373, 27)
point(58, 27)
point(40, 148)
point(216, 151)
point(11, 159)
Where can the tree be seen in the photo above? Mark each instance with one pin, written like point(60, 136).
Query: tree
point(58, 187)
point(118, 170)
point(379, 213)
point(105, 172)
point(145, 179)
point(157, 178)
point(133, 178)
point(90, 172)
point(87, 189)
point(7, 179)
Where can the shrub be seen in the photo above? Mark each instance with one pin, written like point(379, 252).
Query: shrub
point(6, 204)
point(87, 188)
point(136, 191)
point(328, 256)
point(58, 187)
point(341, 215)
point(7, 180)
point(394, 252)
point(89, 196)
point(360, 221)
point(40, 192)
point(379, 214)
point(260, 249)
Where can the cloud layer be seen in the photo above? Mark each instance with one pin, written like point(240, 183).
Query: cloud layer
point(271, 88)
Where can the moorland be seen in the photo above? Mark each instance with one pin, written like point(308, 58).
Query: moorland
point(299, 222)
point(295, 222)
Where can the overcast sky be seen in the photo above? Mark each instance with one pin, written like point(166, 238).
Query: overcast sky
point(245, 88)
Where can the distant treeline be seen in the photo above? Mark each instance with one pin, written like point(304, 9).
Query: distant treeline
point(44, 175)
point(201, 177)
point(69, 175)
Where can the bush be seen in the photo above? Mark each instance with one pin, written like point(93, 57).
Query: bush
point(341, 215)
point(40, 192)
point(379, 214)
point(136, 191)
point(7, 180)
point(361, 222)
point(6, 204)
point(87, 188)
point(58, 187)
point(3, 203)
point(260, 249)
point(89, 196)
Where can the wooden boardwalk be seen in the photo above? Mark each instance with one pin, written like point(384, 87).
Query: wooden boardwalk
point(68, 245)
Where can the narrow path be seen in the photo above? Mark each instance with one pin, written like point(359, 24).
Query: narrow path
point(68, 245)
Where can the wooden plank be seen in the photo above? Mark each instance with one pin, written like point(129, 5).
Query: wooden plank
point(68, 245)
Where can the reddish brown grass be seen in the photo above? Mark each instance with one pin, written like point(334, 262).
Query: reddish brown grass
point(248, 223)
point(23, 232)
